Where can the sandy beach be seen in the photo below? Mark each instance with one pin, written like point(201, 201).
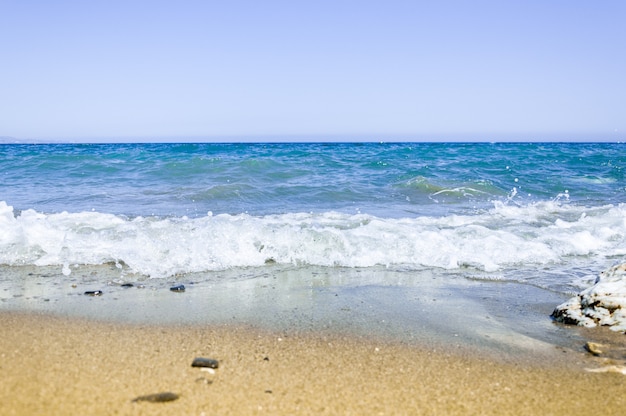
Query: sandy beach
point(295, 341)
point(60, 366)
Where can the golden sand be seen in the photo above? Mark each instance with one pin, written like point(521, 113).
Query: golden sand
point(61, 366)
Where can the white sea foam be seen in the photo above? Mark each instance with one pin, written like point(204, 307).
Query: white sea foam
point(506, 236)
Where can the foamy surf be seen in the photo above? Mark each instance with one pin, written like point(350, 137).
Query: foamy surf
point(507, 236)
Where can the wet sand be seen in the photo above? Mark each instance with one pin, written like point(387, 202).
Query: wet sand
point(427, 307)
point(59, 366)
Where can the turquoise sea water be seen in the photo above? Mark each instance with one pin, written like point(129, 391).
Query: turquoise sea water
point(551, 214)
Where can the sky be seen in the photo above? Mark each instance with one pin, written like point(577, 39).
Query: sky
point(372, 70)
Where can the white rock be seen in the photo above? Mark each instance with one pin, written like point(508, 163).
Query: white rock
point(603, 304)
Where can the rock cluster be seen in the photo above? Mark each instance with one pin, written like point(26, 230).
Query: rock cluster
point(603, 304)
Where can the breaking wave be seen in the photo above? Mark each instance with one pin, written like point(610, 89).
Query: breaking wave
point(505, 236)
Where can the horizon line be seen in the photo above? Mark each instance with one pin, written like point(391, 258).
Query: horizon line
point(328, 138)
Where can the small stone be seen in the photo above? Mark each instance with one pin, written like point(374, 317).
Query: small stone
point(593, 348)
point(179, 288)
point(157, 397)
point(93, 293)
point(127, 285)
point(205, 362)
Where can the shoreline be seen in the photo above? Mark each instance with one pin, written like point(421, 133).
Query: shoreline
point(61, 365)
point(426, 307)
point(498, 320)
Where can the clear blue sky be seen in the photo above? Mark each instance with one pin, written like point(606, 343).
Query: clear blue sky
point(439, 70)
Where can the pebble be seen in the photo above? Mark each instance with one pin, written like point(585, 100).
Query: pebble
point(205, 362)
point(127, 285)
point(93, 293)
point(157, 397)
point(179, 288)
point(593, 348)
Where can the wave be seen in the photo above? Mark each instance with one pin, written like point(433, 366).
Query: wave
point(503, 237)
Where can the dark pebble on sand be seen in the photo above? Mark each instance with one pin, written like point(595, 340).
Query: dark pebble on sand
point(157, 397)
point(93, 293)
point(127, 285)
point(205, 362)
point(179, 288)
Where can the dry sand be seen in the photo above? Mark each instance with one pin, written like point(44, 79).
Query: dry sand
point(68, 366)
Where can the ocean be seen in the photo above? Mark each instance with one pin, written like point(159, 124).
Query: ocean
point(547, 214)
